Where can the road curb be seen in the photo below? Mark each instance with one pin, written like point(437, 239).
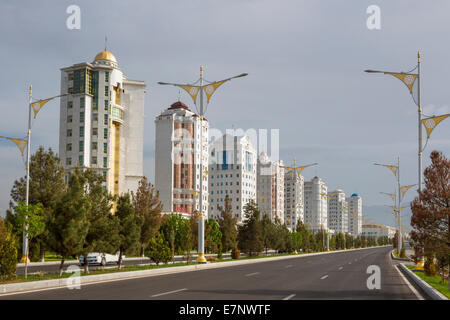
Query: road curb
point(429, 290)
point(398, 259)
point(62, 283)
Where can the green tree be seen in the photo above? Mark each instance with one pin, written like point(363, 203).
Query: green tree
point(213, 236)
point(29, 219)
point(148, 206)
point(302, 229)
point(101, 232)
point(46, 186)
point(193, 222)
point(129, 226)
point(296, 240)
point(172, 228)
point(250, 233)
point(69, 223)
point(158, 250)
point(348, 241)
point(268, 233)
point(8, 253)
point(227, 226)
point(186, 238)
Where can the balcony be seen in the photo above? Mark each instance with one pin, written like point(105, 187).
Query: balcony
point(117, 113)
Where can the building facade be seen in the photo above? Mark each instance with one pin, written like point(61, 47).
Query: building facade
point(270, 187)
point(316, 204)
point(232, 172)
point(293, 199)
point(178, 156)
point(354, 214)
point(338, 211)
point(377, 230)
point(102, 122)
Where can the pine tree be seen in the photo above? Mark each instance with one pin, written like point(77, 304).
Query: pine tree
point(250, 233)
point(227, 226)
point(46, 186)
point(68, 225)
point(129, 226)
point(147, 205)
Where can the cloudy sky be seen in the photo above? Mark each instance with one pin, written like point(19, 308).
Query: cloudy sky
point(305, 61)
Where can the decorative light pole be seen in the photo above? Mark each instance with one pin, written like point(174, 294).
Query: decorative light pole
point(193, 90)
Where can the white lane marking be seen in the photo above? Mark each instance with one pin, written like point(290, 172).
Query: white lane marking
point(418, 295)
point(340, 268)
point(169, 292)
point(289, 297)
point(324, 277)
point(252, 274)
point(288, 266)
point(349, 263)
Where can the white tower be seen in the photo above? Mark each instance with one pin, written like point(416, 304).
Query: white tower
point(102, 122)
point(270, 187)
point(355, 214)
point(232, 172)
point(316, 204)
point(177, 160)
point(337, 211)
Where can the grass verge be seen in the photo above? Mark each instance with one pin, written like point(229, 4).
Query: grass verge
point(434, 281)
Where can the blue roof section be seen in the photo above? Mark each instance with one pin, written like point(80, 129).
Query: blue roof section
point(355, 195)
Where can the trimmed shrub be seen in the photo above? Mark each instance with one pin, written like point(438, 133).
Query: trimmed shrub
point(235, 253)
point(8, 253)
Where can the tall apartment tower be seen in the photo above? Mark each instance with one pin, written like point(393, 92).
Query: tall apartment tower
point(270, 187)
point(337, 211)
point(293, 199)
point(232, 172)
point(102, 122)
point(178, 158)
point(354, 214)
point(316, 204)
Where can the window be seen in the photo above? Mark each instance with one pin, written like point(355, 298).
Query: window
point(69, 104)
point(106, 105)
point(95, 131)
point(82, 102)
point(70, 76)
point(70, 90)
point(105, 133)
point(69, 132)
point(69, 147)
point(81, 160)
point(104, 176)
point(106, 91)
point(81, 132)
point(69, 119)
point(106, 119)
point(106, 76)
point(94, 160)
point(81, 146)
point(68, 161)
point(94, 145)
point(95, 117)
point(105, 147)
point(81, 116)
point(105, 162)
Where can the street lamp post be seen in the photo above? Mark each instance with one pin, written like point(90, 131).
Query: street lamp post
point(193, 90)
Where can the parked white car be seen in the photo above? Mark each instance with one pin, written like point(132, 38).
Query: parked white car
point(100, 258)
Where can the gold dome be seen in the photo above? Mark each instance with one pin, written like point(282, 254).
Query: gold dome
point(105, 55)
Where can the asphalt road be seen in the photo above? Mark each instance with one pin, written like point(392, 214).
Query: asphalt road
point(341, 275)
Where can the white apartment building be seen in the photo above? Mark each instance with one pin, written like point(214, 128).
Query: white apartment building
point(316, 204)
point(293, 199)
point(337, 211)
point(270, 187)
point(178, 159)
point(354, 214)
point(232, 172)
point(377, 230)
point(102, 122)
